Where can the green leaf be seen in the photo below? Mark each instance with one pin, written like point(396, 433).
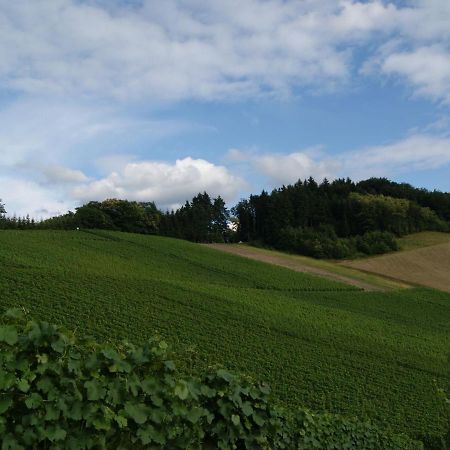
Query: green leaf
point(101, 424)
point(221, 373)
point(5, 403)
point(181, 390)
point(59, 346)
point(42, 359)
point(23, 385)
point(45, 385)
point(15, 313)
point(8, 334)
point(95, 391)
point(120, 366)
point(258, 419)
point(10, 443)
point(55, 433)
point(235, 419)
point(110, 353)
point(149, 434)
point(137, 411)
point(52, 413)
point(6, 380)
point(121, 421)
point(74, 411)
point(194, 415)
point(247, 408)
point(170, 365)
point(33, 401)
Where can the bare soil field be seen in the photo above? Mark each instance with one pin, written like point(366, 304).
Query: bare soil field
point(427, 266)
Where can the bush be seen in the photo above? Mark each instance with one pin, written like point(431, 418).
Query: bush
point(58, 391)
point(323, 243)
point(376, 243)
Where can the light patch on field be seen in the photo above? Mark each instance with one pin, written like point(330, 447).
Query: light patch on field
point(428, 266)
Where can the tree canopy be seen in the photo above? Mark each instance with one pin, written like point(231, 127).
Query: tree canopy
point(341, 218)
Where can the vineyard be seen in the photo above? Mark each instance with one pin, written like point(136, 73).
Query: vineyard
point(319, 343)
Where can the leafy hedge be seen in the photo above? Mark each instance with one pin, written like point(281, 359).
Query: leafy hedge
point(59, 391)
point(324, 243)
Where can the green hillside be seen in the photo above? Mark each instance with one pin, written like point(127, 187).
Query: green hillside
point(317, 342)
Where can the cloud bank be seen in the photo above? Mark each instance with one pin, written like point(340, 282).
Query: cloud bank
point(413, 153)
point(166, 184)
point(203, 49)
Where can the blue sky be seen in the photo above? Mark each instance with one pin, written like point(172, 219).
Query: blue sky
point(151, 100)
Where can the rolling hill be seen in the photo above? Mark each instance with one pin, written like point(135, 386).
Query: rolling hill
point(318, 342)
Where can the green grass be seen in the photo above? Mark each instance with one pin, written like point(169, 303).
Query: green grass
point(318, 343)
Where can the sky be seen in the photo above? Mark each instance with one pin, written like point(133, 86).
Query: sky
point(153, 100)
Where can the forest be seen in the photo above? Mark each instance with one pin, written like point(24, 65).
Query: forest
point(337, 219)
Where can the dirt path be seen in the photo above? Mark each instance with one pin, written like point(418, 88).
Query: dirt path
point(291, 263)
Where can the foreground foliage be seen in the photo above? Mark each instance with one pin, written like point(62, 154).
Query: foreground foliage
point(318, 343)
point(58, 391)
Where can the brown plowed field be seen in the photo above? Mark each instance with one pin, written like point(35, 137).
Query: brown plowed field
point(428, 266)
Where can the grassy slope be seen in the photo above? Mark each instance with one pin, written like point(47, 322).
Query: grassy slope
point(334, 267)
point(357, 353)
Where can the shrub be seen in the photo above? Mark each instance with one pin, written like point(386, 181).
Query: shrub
point(323, 243)
point(58, 391)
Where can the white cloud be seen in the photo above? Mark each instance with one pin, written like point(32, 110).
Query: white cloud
point(59, 174)
point(202, 49)
point(284, 169)
point(23, 196)
point(167, 184)
point(55, 132)
point(426, 68)
point(414, 153)
point(175, 50)
point(53, 190)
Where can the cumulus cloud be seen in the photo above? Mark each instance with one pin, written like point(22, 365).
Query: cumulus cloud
point(24, 196)
point(284, 169)
point(414, 153)
point(53, 190)
point(169, 185)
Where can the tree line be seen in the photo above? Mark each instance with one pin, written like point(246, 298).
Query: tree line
point(340, 219)
point(203, 219)
point(336, 219)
